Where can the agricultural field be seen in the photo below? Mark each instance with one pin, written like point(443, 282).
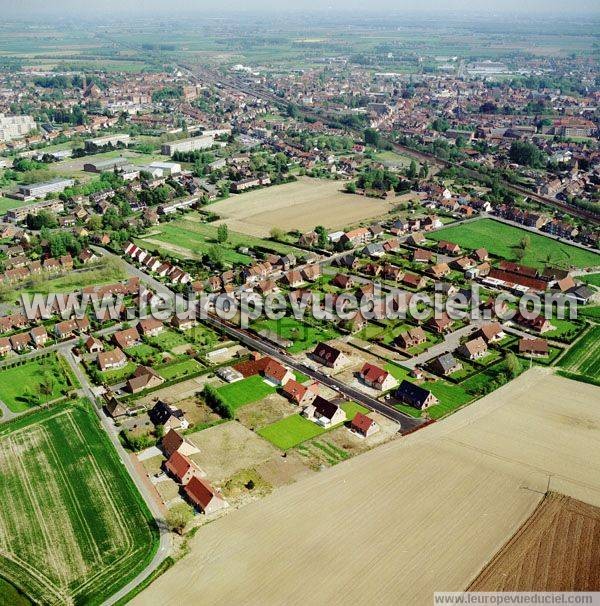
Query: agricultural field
point(503, 240)
point(189, 238)
point(74, 529)
point(553, 551)
point(34, 382)
point(583, 357)
point(299, 205)
point(466, 486)
point(303, 336)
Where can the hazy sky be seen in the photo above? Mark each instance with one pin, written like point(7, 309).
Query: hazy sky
point(108, 8)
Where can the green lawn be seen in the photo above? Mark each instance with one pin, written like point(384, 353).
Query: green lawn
point(201, 336)
point(290, 432)
point(33, 382)
point(304, 336)
point(398, 372)
point(141, 353)
point(167, 340)
point(74, 528)
point(8, 203)
point(591, 279)
point(565, 330)
point(502, 240)
point(179, 369)
point(583, 358)
point(117, 375)
point(351, 408)
point(245, 391)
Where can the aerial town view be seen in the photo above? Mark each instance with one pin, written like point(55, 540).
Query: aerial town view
point(299, 304)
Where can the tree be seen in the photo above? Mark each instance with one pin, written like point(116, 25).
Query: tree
point(323, 239)
point(178, 517)
point(526, 154)
point(350, 187)
point(215, 256)
point(411, 173)
point(440, 124)
point(222, 233)
point(424, 171)
point(277, 233)
point(292, 111)
point(513, 365)
point(372, 137)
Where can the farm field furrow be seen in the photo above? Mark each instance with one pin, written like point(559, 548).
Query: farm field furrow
point(72, 525)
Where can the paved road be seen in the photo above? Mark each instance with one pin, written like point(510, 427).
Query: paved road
point(164, 547)
point(450, 343)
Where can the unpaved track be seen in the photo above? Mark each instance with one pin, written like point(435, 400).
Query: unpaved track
point(300, 205)
point(425, 512)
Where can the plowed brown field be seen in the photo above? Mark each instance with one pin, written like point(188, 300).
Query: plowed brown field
point(557, 549)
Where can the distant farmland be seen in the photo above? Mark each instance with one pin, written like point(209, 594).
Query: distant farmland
point(72, 527)
point(503, 240)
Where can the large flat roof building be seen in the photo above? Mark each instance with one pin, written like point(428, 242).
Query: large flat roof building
point(20, 214)
point(185, 145)
point(91, 144)
point(38, 190)
point(15, 127)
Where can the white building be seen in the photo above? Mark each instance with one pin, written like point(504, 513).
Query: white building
point(15, 127)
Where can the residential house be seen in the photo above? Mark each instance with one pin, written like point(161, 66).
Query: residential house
point(411, 338)
point(143, 378)
point(420, 255)
point(126, 338)
point(277, 373)
point(439, 270)
point(414, 281)
point(175, 442)
point(533, 347)
point(181, 467)
point(444, 365)
point(324, 413)
point(415, 395)
point(170, 417)
point(39, 336)
point(299, 394)
point(109, 360)
point(20, 342)
point(343, 281)
point(204, 496)
point(312, 272)
point(441, 324)
point(448, 248)
point(150, 327)
point(473, 349)
point(93, 345)
point(363, 426)
point(329, 356)
point(376, 377)
point(293, 278)
point(491, 332)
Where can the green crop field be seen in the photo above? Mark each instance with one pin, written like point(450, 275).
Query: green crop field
point(243, 392)
point(74, 528)
point(503, 240)
point(591, 279)
point(33, 382)
point(583, 358)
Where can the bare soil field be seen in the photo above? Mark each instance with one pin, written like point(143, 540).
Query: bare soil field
point(179, 391)
point(265, 411)
point(228, 448)
point(557, 549)
point(421, 513)
point(300, 205)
